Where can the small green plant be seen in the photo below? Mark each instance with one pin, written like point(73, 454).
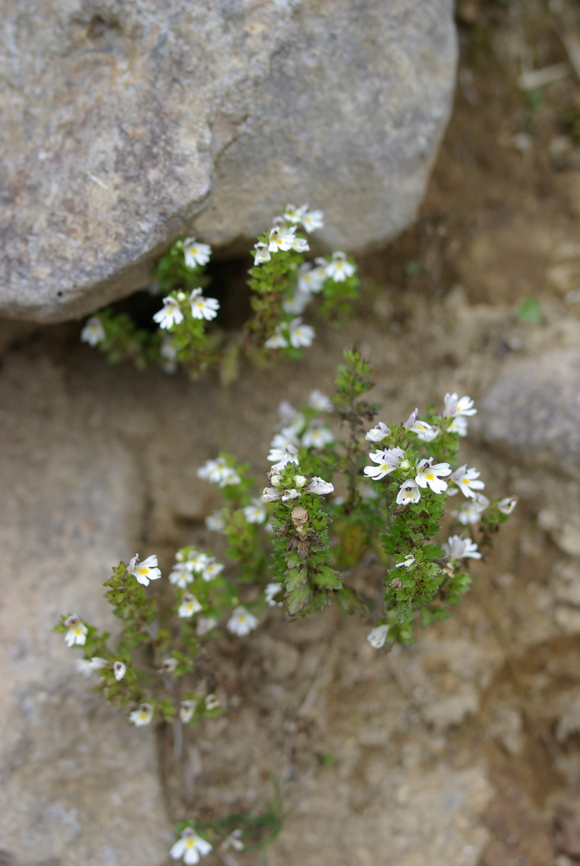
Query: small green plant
point(281, 282)
point(324, 511)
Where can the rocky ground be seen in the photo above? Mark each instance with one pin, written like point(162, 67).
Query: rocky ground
point(464, 749)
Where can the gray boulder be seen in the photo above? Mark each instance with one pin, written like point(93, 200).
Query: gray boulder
point(129, 124)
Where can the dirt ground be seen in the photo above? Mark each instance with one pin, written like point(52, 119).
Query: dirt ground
point(464, 749)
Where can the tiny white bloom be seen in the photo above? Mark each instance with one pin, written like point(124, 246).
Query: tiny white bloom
point(378, 636)
point(212, 569)
point(277, 340)
point(284, 461)
point(241, 622)
point(425, 432)
point(388, 460)
point(507, 505)
point(216, 521)
point(319, 486)
point(272, 589)
point(234, 840)
point(296, 305)
point(195, 253)
point(339, 268)
point(270, 494)
point(407, 562)
point(255, 512)
point(411, 419)
point(77, 631)
point(317, 435)
point(459, 425)
point(203, 308)
point(196, 561)
point(142, 716)
point(313, 220)
point(460, 548)
point(454, 406)
point(205, 624)
point(212, 702)
point(87, 666)
point(294, 214)
point(169, 315)
point(300, 334)
point(378, 433)
point(181, 575)
point(282, 452)
point(310, 280)
point(168, 353)
point(291, 493)
point(189, 605)
point(408, 492)
point(471, 511)
point(144, 571)
point(93, 332)
point(190, 847)
point(186, 710)
point(431, 475)
point(262, 253)
point(320, 402)
point(218, 472)
point(119, 669)
point(282, 238)
point(466, 480)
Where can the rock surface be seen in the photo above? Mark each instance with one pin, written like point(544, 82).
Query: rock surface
point(127, 125)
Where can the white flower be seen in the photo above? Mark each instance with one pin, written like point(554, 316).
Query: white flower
point(272, 590)
point(211, 569)
point(339, 268)
point(216, 522)
point(203, 308)
point(411, 419)
point(507, 505)
point(270, 494)
point(77, 631)
point(319, 486)
point(93, 332)
point(320, 402)
point(425, 432)
point(290, 417)
point(284, 442)
point(408, 492)
point(294, 214)
point(189, 605)
point(284, 238)
point(234, 840)
point(317, 435)
point(142, 716)
point(144, 571)
point(277, 340)
point(378, 433)
point(297, 303)
point(313, 220)
point(466, 480)
point(196, 561)
point(190, 847)
point(205, 624)
point(300, 334)
point(454, 406)
point(255, 512)
point(459, 426)
point(407, 562)
point(212, 702)
point(168, 352)
point(241, 622)
point(460, 548)
point(310, 280)
point(431, 475)
point(471, 511)
point(262, 253)
point(181, 575)
point(218, 472)
point(388, 461)
point(186, 710)
point(170, 314)
point(195, 253)
point(378, 636)
point(87, 666)
point(284, 461)
point(119, 669)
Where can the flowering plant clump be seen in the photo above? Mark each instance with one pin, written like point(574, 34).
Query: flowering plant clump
point(343, 488)
point(282, 284)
